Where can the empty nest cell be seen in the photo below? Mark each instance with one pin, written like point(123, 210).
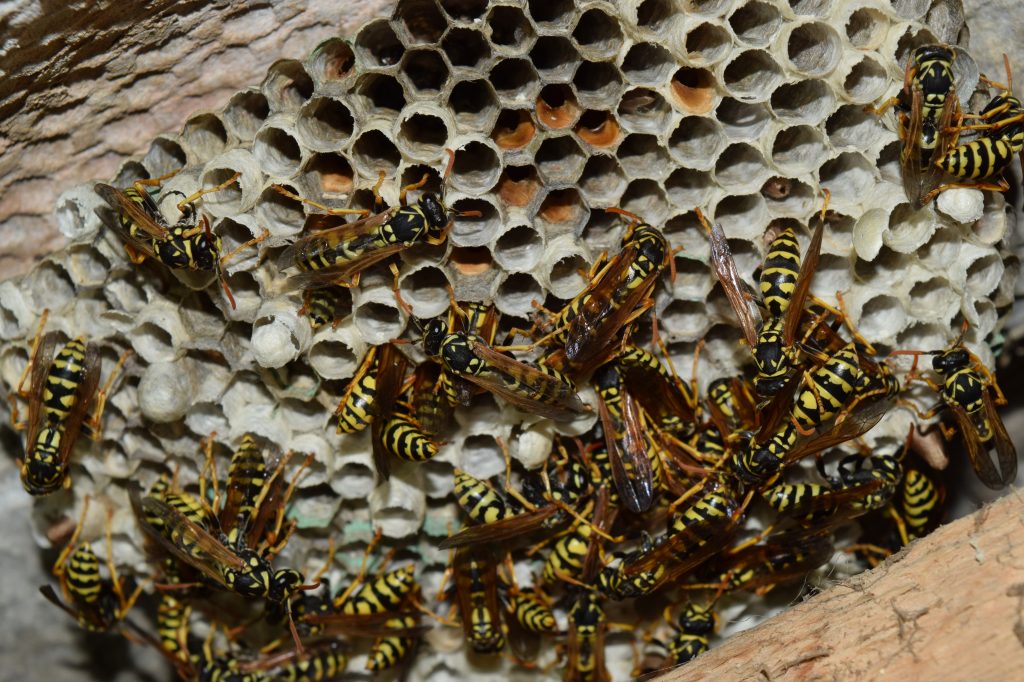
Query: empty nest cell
point(597, 35)
point(376, 45)
point(466, 49)
point(424, 73)
point(509, 29)
point(755, 23)
point(325, 124)
point(287, 86)
point(474, 105)
point(419, 21)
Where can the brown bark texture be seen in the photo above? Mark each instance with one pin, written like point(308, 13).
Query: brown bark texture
point(86, 85)
point(949, 607)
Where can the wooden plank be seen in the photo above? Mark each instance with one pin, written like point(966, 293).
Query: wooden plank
point(949, 607)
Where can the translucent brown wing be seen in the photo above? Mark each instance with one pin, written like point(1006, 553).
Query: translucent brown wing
point(131, 210)
point(526, 387)
point(910, 153)
point(41, 362)
point(500, 531)
point(368, 624)
point(858, 422)
point(1006, 453)
point(803, 285)
point(593, 331)
point(84, 398)
point(481, 562)
point(391, 366)
point(732, 284)
point(360, 241)
point(627, 452)
point(205, 553)
point(977, 452)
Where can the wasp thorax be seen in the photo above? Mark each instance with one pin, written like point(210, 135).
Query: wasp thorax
point(435, 211)
point(951, 360)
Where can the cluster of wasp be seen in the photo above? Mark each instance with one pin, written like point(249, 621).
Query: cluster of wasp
point(653, 502)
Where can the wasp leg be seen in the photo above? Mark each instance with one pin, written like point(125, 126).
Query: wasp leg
point(323, 207)
point(94, 428)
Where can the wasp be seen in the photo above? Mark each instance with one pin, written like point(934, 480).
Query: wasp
point(370, 399)
point(971, 394)
point(628, 445)
point(189, 244)
point(500, 519)
point(670, 401)
point(334, 254)
point(614, 583)
point(325, 661)
point(829, 390)
point(784, 283)
point(98, 604)
point(256, 497)
point(528, 614)
point(760, 567)
point(732, 404)
point(533, 388)
point(238, 569)
point(918, 504)
point(585, 646)
point(989, 154)
point(322, 307)
point(619, 293)
point(574, 557)
point(692, 536)
point(852, 493)
point(691, 632)
point(476, 587)
point(926, 107)
point(62, 391)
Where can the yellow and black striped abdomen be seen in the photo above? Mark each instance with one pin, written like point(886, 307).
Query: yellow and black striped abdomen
point(920, 500)
point(531, 613)
point(779, 272)
point(383, 594)
point(172, 626)
point(404, 439)
point(63, 379)
point(983, 157)
point(480, 501)
point(567, 554)
point(83, 575)
point(356, 412)
point(834, 384)
point(318, 666)
point(387, 652)
point(247, 474)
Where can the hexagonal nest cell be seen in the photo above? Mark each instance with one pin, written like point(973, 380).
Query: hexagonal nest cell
point(528, 118)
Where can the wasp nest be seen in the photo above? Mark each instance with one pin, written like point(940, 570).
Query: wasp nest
point(555, 110)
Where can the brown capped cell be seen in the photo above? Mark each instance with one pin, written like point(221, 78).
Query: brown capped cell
point(331, 172)
point(518, 185)
point(562, 208)
point(514, 129)
point(557, 106)
point(598, 128)
point(471, 260)
point(693, 90)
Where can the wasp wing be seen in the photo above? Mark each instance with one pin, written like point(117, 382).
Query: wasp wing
point(144, 218)
point(41, 362)
point(627, 452)
point(526, 387)
point(803, 286)
point(725, 269)
point(390, 378)
point(500, 531)
point(1006, 453)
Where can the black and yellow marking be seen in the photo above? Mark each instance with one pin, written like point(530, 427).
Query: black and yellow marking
point(531, 613)
point(827, 388)
point(481, 502)
point(385, 593)
point(403, 438)
point(691, 633)
point(388, 652)
point(779, 272)
point(356, 410)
